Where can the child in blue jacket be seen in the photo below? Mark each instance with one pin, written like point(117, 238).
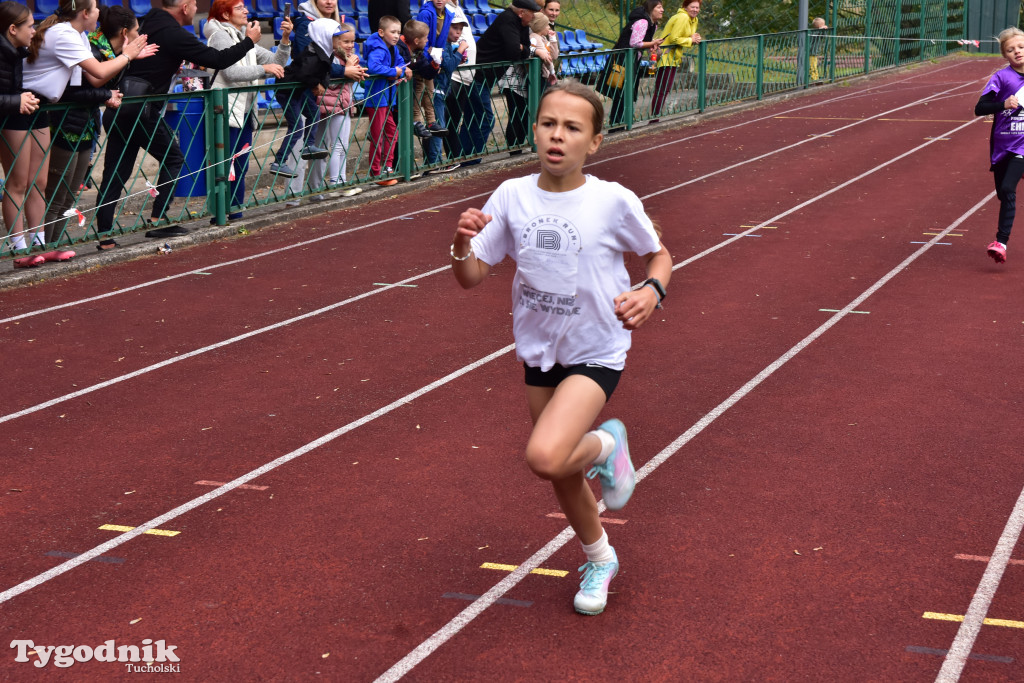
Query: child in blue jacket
point(452, 55)
point(438, 18)
point(386, 68)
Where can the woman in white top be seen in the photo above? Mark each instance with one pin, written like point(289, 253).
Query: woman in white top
point(60, 54)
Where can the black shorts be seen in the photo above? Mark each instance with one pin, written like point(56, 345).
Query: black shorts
point(606, 378)
point(33, 121)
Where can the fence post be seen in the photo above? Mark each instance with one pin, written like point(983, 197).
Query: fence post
point(405, 134)
point(702, 76)
point(899, 34)
point(628, 88)
point(760, 66)
point(216, 103)
point(867, 37)
point(533, 89)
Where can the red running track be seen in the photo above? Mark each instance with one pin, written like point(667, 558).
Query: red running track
point(826, 416)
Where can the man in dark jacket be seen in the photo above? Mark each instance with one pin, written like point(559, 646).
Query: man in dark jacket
point(506, 40)
point(126, 135)
point(398, 9)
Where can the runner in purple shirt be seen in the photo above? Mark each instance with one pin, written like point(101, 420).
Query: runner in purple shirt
point(1002, 98)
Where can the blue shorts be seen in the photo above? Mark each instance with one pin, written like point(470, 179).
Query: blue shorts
point(606, 378)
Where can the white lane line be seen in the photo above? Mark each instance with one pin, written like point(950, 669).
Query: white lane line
point(412, 214)
point(212, 347)
point(463, 618)
point(960, 650)
point(244, 479)
point(325, 309)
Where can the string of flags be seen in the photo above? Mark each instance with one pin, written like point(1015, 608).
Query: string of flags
point(975, 43)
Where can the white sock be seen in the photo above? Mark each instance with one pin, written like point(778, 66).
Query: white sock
point(599, 551)
point(607, 445)
point(38, 239)
point(18, 242)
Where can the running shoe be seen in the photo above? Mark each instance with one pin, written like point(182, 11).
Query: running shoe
point(437, 129)
point(351, 191)
point(593, 594)
point(314, 152)
point(997, 250)
point(282, 170)
point(617, 474)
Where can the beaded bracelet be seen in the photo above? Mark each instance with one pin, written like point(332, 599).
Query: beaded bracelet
point(464, 257)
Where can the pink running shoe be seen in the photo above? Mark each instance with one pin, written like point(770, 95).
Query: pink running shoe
point(997, 250)
point(617, 474)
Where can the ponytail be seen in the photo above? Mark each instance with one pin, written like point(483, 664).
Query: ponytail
point(66, 11)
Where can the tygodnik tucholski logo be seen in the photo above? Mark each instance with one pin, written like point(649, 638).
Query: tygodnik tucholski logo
point(152, 657)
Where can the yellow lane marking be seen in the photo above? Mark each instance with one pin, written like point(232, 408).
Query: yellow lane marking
point(513, 567)
point(763, 227)
point(959, 617)
point(952, 234)
point(155, 532)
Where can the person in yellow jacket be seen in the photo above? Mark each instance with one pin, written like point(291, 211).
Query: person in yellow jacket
point(678, 32)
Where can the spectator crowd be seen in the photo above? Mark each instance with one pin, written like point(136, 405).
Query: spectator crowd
point(91, 58)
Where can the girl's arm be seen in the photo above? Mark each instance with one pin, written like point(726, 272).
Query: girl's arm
point(98, 73)
point(989, 104)
point(634, 307)
point(469, 271)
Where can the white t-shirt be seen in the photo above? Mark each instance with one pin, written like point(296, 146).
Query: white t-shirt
point(63, 49)
point(568, 249)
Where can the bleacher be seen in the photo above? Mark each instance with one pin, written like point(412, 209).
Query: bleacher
point(578, 54)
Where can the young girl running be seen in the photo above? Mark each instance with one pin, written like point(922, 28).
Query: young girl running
point(573, 311)
point(1002, 98)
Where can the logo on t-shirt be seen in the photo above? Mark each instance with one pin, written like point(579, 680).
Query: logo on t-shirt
point(548, 265)
point(552, 233)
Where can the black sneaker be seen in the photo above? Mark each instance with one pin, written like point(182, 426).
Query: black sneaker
point(169, 231)
point(437, 129)
point(421, 130)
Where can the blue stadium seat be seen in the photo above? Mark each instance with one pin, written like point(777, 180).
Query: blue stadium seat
point(479, 24)
point(277, 28)
point(492, 17)
point(347, 9)
point(44, 8)
point(140, 7)
point(200, 33)
point(586, 43)
point(572, 66)
point(484, 7)
point(264, 9)
point(569, 42)
point(363, 7)
point(363, 27)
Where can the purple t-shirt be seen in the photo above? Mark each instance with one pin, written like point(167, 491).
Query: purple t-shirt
point(1007, 129)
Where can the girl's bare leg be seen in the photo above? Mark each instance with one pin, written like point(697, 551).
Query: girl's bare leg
point(560, 449)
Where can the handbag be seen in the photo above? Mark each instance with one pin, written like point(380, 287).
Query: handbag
point(616, 76)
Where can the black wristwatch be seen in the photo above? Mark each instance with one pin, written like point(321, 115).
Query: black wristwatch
point(658, 289)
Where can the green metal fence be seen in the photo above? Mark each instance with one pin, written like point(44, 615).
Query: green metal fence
point(491, 108)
